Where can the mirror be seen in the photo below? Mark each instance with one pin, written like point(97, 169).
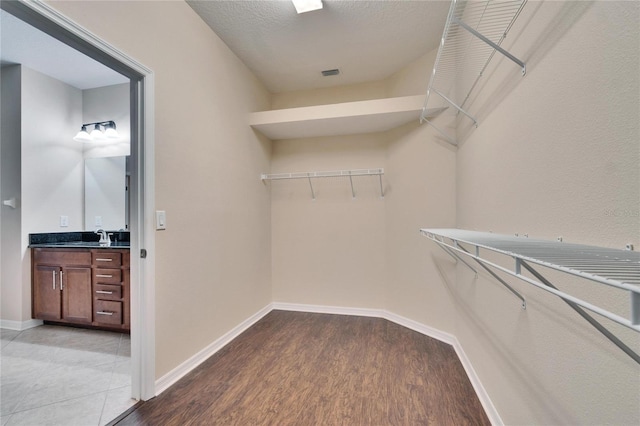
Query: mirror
point(106, 194)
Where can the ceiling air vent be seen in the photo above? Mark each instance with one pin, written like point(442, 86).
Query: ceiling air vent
point(327, 73)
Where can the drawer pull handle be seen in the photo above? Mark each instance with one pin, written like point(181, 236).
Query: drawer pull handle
point(104, 260)
point(104, 276)
point(103, 292)
point(104, 313)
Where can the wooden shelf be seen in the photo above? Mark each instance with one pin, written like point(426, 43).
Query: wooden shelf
point(347, 118)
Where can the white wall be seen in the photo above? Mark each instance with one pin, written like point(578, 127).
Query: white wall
point(557, 153)
point(108, 103)
point(52, 164)
point(10, 237)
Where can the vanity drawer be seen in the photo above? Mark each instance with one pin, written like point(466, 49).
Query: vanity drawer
point(103, 291)
point(61, 257)
point(106, 259)
point(107, 312)
point(107, 276)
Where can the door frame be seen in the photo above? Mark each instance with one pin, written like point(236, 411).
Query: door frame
point(142, 194)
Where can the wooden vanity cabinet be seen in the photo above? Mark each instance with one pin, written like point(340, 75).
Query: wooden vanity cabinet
point(61, 285)
point(81, 286)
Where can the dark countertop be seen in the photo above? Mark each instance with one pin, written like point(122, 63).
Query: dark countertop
point(82, 244)
point(86, 239)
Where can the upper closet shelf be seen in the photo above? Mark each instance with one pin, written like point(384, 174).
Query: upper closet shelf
point(472, 34)
point(347, 118)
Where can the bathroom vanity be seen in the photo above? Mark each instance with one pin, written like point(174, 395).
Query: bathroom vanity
point(81, 282)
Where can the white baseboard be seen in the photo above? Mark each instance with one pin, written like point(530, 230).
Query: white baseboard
point(319, 309)
point(420, 328)
point(483, 396)
point(167, 380)
point(180, 371)
point(20, 325)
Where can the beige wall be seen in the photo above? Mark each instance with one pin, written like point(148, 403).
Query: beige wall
point(331, 250)
point(329, 95)
point(422, 176)
point(365, 252)
point(213, 261)
point(557, 153)
point(421, 173)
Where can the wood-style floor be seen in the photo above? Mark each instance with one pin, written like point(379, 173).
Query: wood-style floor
point(293, 368)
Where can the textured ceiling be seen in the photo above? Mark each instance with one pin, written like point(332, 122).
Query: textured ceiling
point(366, 40)
point(23, 44)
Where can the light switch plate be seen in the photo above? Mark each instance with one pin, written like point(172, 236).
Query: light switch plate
point(161, 219)
point(98, 221)
point(64, 221)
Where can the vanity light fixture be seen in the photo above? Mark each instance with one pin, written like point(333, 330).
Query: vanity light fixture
point(303, 6)
point(97, 133)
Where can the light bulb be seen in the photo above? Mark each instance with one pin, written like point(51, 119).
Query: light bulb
point(110, 130)
point(96, 133)
point(82, 135)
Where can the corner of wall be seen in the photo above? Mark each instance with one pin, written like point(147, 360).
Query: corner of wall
point(10, 184)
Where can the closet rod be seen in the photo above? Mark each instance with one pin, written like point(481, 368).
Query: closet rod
point(336, 173)
point(328, 174)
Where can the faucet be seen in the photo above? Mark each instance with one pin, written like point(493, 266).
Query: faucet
point(104, 237)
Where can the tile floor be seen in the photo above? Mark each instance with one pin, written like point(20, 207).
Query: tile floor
point(53, 375)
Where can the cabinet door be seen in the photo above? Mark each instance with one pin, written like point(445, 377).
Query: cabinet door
point(76, 295)
point(46, 293)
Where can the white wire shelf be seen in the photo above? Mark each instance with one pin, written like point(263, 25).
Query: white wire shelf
point(328, 174)
point(474, 31)
point(614, 267)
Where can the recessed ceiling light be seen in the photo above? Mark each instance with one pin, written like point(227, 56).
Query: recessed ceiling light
point(327, 73)
point(303, 6)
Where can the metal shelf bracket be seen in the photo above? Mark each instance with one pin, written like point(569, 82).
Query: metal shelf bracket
point(492, 44)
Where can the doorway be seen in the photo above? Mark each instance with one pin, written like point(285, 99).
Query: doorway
point(49, 21)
